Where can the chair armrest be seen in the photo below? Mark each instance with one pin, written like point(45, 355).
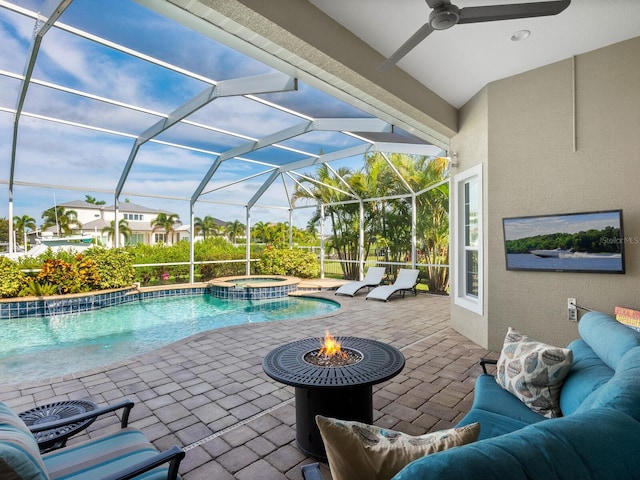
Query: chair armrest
point(487, 361)
point(174, 456)
point(127, 405)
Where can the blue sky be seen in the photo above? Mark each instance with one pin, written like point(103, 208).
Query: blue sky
point(90, 161)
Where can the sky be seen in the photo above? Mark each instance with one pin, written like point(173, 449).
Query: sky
point(525, 227)
point(62, 161)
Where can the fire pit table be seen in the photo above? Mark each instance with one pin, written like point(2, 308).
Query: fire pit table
point(343, 391)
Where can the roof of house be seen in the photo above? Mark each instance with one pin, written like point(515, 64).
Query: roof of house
point(97, 224)
point(80, 204)
point(124, 207)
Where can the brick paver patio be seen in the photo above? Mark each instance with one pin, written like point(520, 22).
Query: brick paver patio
point(209, 395)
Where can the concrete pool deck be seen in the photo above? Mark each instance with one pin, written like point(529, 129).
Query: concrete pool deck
point(209, 395)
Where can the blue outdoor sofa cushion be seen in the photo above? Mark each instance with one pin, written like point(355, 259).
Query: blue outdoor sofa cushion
point(19, 452)
point(608, 338)
point(596, 439)
point(622, 392)
point(599, 444)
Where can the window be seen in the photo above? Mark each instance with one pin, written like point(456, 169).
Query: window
point(133, 216)
point(468, 239)
point(135, 239)
point(159, 238)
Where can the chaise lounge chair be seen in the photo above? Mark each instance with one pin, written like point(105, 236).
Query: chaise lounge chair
point(405, 281)
point(371, 279)
point(124, 454)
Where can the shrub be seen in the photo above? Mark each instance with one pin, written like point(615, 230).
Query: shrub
point(217, 248)
point(114, 267)
point(297, 263)
point(12, 280)
point(36, 289)
point(62, 274)
point(87, 272)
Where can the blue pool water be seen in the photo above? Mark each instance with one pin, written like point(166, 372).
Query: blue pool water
point(44, 347)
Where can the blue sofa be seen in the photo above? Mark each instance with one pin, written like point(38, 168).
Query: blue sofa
point(598, 436)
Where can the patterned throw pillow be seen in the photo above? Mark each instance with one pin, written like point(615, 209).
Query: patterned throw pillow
point(533, 372)
point(358, 451)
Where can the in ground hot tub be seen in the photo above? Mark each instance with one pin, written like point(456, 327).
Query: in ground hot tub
point(253, 287)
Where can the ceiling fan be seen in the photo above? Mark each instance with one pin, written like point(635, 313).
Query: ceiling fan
point(446, 15)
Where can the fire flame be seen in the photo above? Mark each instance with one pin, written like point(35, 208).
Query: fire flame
point(330, 346)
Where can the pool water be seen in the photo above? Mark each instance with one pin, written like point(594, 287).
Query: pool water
point(45, 347)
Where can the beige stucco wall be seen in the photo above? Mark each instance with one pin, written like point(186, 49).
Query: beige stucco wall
point(471, 148)
point(531, 168)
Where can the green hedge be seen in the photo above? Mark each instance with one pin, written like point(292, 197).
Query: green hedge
point(66, 272)
point(99, 268)
point(12, 279)
point(291, 262)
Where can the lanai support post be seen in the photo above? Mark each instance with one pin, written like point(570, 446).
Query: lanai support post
point(361, 243)
point(116, 226)
point(247, 230)
point(414, 217)
point(192, 254)
point(12, 243)
point(322, 241)
point(290, 228)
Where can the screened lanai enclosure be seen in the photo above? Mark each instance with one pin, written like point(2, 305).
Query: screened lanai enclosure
point(147, 102)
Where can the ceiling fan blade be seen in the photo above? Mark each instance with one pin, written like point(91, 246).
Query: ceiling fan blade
point(422, 33)
point(492, 13)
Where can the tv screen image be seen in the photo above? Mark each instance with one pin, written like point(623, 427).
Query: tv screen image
point(572, 242)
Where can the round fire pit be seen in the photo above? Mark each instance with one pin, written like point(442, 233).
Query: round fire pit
point(339, 391)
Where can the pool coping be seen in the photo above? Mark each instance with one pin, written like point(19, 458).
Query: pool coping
point(282, 281)
point(25, 307)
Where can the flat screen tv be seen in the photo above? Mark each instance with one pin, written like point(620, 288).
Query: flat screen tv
point(572, 242)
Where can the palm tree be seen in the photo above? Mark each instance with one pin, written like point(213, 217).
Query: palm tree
point(233, 230)
point(433, 218)
point(324, 188)
point(92, 200)
point(280, 233)
point(207, 225)
point(21, 224)
point(4, 230)
point(312, 227)
point(261, 232)
point(165, 222)
point(65, 220)
point(123, 229)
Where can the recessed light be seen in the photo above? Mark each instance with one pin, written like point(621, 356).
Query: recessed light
point(520, 35)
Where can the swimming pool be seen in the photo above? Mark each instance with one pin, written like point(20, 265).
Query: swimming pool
point(45, 347)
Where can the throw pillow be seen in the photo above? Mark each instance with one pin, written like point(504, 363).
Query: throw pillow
point(533, 372)
point(360, 451)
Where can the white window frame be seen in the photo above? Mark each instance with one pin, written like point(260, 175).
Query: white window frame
point(461, 297)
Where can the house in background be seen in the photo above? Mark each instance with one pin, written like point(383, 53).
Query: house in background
point(94, 218)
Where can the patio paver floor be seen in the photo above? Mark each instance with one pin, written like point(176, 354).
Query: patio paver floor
point(209, 395)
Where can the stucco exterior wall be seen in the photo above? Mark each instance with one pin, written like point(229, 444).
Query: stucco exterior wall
point(471, 148)
point(546, 155)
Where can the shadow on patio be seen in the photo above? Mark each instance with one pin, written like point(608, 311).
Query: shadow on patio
point(209, 395)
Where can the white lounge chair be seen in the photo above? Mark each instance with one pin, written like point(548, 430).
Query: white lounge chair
point(405, 281)
point(371, 279)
